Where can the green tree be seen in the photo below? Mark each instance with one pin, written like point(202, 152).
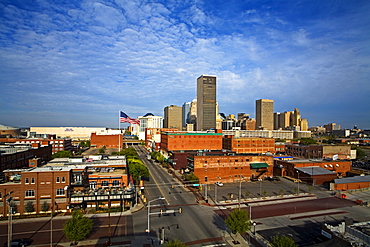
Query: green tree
point(281, 192)
point(138, 169)
point(191, 178)
point(238, 221)
point(282, 241)
point(280, 140)
point(77, 227)
point(247, 193)
point(307, 141)
point(360, 154)
point(174, 243)
point(45, 206)
point(29, 207)
point(62, 154)
point(264, 193)
point(296, 190)
point(328, 139)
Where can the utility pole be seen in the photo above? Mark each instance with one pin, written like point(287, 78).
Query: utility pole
point(8, 200)
point(240, 190)
point(148, 229)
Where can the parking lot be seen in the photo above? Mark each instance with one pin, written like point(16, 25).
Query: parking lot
point(257, 189)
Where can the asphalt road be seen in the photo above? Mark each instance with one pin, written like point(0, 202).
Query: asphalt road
point(196, 224)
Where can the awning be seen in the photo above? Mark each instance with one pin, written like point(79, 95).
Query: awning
point(259, 165)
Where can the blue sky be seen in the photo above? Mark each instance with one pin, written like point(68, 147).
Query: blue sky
point(78, 63)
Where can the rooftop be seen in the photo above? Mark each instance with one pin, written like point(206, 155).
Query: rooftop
point(314, 170)
point(356, 179)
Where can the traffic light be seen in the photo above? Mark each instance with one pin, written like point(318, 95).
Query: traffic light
point(180, 210)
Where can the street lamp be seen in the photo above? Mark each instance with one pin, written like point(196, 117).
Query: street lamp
point(240, 190)
point(148, 229)
point(51, 224)
point(298, 183)
point(8, 200)
point(254, 227)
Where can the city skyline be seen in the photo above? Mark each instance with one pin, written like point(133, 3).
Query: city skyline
point(79, 64)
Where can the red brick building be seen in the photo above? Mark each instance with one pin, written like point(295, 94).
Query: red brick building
point(288, 167)
point(15, 156)
point(230, 168)
point(36, 187)
point(108, 141)
point(248, 144)
point(180, 141)
point(153, 137)
point(319, 151)
point(57, 144)
point(351, 183)
point(68, 183)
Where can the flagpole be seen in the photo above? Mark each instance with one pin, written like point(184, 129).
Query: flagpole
point(119, 132)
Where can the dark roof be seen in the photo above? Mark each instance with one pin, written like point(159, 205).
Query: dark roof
point(314, 170)
point(356, 179)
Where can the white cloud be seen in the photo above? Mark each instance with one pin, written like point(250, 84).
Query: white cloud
point(144, 56)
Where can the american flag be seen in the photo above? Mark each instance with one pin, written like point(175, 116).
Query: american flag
point(124, 118)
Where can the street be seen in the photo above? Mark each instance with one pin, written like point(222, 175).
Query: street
point(195, 223)
point(274, 205)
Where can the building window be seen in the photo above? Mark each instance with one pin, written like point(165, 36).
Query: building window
point(58, 179)
point(93, 184)
point(205, 179)
point(104, 183)
point(63, 179)
point(60, 192)
point(115, 183)
point(27, 181)
point(32, 180)
point(30, 193)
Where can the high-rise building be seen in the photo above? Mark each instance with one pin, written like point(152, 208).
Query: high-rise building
point(206, 102)
point(173, 117)
point(295, 117)
point(147, 121)
point(186, 114)
point(265, 114)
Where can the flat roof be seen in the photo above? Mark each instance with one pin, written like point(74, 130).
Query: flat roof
point(192, 133)
point(314, 160)
point(356, 179)
point(314, 170)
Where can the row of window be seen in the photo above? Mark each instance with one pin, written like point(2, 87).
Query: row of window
point(31, 193)
point(57, 180)
point(104, 183)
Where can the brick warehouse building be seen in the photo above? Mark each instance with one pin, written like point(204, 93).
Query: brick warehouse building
point(13, 156)
point(197, 140)
point(69, 183)
point(229, 167)
point(248, 144)
point(108, 141)
point(58, 144)
point(289, 168)
point(319, 151)
point(153, 137)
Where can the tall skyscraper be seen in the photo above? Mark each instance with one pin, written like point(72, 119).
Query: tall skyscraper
point(206, 102)
point(265, 114)
point(173, 117)
point(186, 113)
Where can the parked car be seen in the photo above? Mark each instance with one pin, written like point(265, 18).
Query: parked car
point(219, 183)
point(19, 242)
